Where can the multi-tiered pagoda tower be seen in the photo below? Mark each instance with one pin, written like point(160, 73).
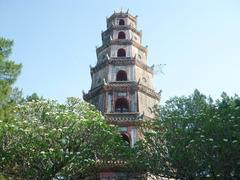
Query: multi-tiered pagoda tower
point(122, 82)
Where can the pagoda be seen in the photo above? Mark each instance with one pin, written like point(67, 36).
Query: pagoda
point(122, 82)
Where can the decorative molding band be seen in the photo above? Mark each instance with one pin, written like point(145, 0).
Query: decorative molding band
point(121, 42)
point(121, 86)
point(121, 27)
point(119, 61)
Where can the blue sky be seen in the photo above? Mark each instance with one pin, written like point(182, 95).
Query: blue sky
point(198, 40)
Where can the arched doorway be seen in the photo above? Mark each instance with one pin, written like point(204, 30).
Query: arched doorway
point(121, 35)
point(121, 22)
point(121, 105)
point(121, 76)
point(121, 53)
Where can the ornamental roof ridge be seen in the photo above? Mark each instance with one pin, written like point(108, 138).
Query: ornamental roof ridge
point(114, 61)
point(122, 14)
point(123, 27)
point(119, 85)
point(121, 42)
point(121, 61)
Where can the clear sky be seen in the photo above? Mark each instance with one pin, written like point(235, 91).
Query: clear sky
point(198, 40)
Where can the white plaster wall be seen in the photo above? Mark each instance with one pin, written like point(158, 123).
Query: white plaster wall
point(114, 49)
point(109, 102)
point(101, 56)
point(144, 75)
point(145, 103)
point(131, 23)
point(134, 136)
point(127, 22)
point(135, 37)
point(137, 52)
point(127, 34)
point(97, 78)
point(114, 69)
point(133, 103)
point(99, 102)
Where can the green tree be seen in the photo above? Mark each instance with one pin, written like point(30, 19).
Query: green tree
point(46, 140)
point(9, 70)
point(8, 75)
point(193, 137)
point(34, 97)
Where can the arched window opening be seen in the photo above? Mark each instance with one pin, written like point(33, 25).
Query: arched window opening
point(121, 76)
point(121, 22)
point(121, 105)
point(126, 138)
point(121, 35)
point(121, 53)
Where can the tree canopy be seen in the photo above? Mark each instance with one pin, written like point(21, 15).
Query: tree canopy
point(193, 137)
point(45, 140)
point(9, 70)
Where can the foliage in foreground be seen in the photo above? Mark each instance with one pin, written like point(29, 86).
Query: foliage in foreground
point(193, 137)
point(9, 72)
point(44, 139)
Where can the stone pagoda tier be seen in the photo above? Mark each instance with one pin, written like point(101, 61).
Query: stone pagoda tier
point(122, 82)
